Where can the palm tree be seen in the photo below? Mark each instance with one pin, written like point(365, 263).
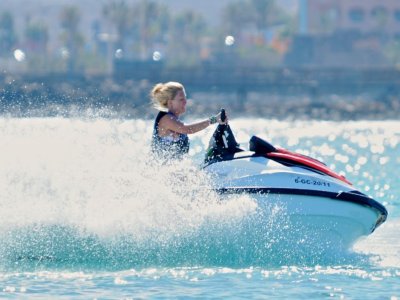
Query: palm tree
point(8, 38)
point(244, 13)
point(73, 40)
point(260, 29)
point(120, 15)
point(263, 12)
point(188, 29)
point(152, 20)
point(37, 36)
point(236, 16)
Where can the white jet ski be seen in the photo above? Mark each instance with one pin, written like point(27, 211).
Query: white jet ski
point(316, 200)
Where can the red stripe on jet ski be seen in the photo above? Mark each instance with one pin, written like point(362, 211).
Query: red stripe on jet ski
point(306, 161)
point(282, 150)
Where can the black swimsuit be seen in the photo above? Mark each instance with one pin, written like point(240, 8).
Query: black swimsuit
point(167, 147)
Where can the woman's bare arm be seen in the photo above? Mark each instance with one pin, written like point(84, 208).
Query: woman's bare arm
point(171, 123)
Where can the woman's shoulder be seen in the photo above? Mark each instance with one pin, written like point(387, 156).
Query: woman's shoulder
point(161, 114)
point(166, 116)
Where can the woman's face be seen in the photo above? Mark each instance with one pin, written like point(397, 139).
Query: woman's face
point(178, 104)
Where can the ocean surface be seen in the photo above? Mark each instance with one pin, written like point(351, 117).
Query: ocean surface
point(84, 214)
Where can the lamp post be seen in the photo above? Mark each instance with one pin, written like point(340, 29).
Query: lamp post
point(110, 40)
point(303, 17)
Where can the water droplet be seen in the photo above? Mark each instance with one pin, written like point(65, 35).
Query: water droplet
point(157, 56)
point(19, 55)
point(229, 40)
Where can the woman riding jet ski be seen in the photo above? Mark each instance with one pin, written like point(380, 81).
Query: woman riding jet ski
point(314, 197)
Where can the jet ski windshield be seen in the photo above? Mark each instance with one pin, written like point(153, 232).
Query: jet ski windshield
point(222, 144)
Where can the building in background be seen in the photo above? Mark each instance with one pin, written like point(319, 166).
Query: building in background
point(343, 33)
point(365, 16)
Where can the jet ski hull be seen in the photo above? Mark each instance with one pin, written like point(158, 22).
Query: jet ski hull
point(342, 219)
point(324, 207)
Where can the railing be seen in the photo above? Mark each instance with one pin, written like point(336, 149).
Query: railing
point(265, 79)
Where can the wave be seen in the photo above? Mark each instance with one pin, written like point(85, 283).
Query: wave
point(238, 243)
point(79, 194)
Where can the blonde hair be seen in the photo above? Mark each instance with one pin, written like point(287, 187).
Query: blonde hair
point(162, 92)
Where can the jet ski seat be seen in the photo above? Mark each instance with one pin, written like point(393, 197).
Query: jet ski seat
point(260, 146)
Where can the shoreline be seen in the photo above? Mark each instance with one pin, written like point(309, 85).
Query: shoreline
point(31, 98)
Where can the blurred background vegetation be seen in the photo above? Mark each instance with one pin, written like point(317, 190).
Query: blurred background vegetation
point(253, 32)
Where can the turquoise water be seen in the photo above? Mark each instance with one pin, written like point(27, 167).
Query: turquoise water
point(84, 215)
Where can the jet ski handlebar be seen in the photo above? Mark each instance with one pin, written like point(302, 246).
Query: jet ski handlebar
point(223, 115)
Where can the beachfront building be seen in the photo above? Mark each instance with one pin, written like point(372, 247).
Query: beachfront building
point(346, 33)
point(364, 16)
